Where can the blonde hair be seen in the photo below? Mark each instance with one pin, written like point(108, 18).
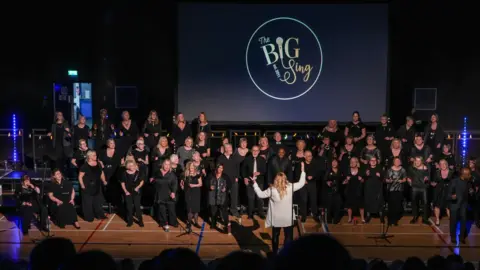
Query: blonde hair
point(128, 162)
point(130, 158)
point(354, 159)
point(280, 183)
point(187, 168)
point(396, 140)
point(163, 138)
point(90, 153)
point(149, 119)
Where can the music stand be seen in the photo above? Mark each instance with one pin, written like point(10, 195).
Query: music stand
point(42, 195)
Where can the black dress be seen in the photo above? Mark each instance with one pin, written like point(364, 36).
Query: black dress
point(441, 197)
point(80, 156)
point(354, 198)
point(374, 190)
point(128, 138)
point(80, 134)
point(192, 195)
point(92, 197)
point(110, 169)
point(345, 161)
point(64, 214)
point(355, 130)
point(151, 129)
point(28, 195)
point(141, 154)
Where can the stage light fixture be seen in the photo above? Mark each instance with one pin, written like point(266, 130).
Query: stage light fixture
point(15, 134)
point(464, 142)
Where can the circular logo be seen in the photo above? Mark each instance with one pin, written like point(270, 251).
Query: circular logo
point(284, 58)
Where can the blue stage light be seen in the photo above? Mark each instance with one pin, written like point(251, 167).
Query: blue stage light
point(15, 134)
point(464, 142)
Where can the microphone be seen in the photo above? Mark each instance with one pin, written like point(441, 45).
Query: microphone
point(280, 46)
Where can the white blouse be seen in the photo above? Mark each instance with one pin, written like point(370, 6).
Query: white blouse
point(280, 211)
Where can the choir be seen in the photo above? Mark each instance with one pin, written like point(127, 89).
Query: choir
point(370, 175)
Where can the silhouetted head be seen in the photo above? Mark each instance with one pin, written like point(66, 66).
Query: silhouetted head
point(240, 260)
point(51, 254)
point(91, 260)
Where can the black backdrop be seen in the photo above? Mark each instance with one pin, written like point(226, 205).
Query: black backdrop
point(432, 44)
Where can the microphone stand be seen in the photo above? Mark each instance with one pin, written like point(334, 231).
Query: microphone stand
point(40, 202)
point(384, 230)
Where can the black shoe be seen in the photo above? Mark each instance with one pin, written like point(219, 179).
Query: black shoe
point(140, 223)
point(61, 226)
point(367, 220)
point(426, 222)
point(414, 220)
point(316, 218)
point(463, 240)
point(129, 224)
point(304, 219)
point(453, 241)
point(262, 216)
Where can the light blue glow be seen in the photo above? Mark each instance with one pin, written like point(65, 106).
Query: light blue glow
point(464, 142)
point(15, 131)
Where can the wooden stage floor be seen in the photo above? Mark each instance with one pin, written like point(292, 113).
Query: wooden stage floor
point(112, 235)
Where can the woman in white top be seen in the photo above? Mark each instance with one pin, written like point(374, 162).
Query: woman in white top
point(280, 207)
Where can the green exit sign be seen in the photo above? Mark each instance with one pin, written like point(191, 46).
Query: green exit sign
point(72, 73)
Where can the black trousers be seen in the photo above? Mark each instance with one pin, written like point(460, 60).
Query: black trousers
point(218, 209)
point(132, 203)
point(60, 158)
point(288, 234)
point(166, 213)
point(334, 206)
point(26, 214)
point(234, 198)
point(419, 197)
point(254, 200)
point(92, 206)
point(395, 206)
point(458, 213)
point(308, 196)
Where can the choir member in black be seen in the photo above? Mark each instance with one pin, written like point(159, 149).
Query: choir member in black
point(308, 193)
point(447, 155)
point(61, 140)
point(174, 166)
point(475, 198)
point(353, 182)
point(231, 169)
point(152, 129)
point(279, 163)
point(298, 156)
point(326, 153)
point(202, 145)
point(242, 149)
point(110, 160)
point(396, 150)
point(191, 185)
point(62, 195)
point(203, 125)
point(266, 151)
point(440, 184)
point(102, 130)
point(395, 179)
point(357, 130)
point(406, 134)
point(81, 131)
point(30, 203)
point(217, 197)
point(128, 131)
point(373, 186)
point(460, 190)
point(165, 196)
point(141, 156)
point(332, 196)
point(91, 178)
point(418, 178)
point(333, 132)
point(132, 181)
point(180, 132)
point(384, 134)
point(434, 135)
point(80, 154)
point(185, 152)
point(277, 143)
point(347, 152)
point(254, 167)
point(221, 149)
point(370, 151)
point(159, 153)
point(199, 164)
point(419, 149)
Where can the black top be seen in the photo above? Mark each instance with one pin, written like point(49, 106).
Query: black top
point(383, 132)
point(132, 180)
point(165, 184)
point(80, 134)
point(231, 166)
point(423, 152)
point(109, 163)
point(201, 149)
point(336, 180)
point(336, 136)
point(158, 156)
point(311, 169)
point(80, 156)
point(152, 128)
point(131, 132)
point(179, 135)
point(92, 178)
point(248, 166)
point(270, 152)
point(277, 165)
point(396, 176)
point(206, 128)
point(406, 134)
point(27, 194)
point(355, 130)
point(137, 154)
point(102, 130)
point(418, 177)
point(62, 191)
point(461, 189)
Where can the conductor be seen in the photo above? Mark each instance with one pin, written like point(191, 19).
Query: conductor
point(459, 191)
